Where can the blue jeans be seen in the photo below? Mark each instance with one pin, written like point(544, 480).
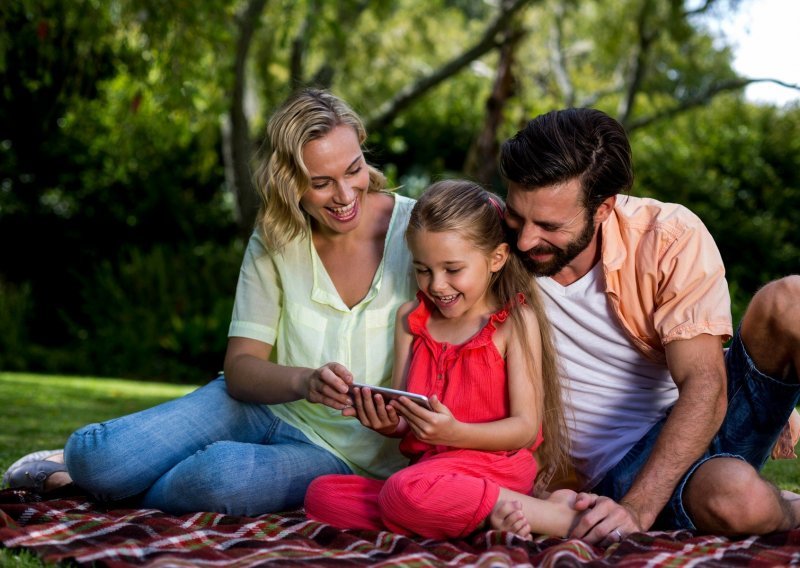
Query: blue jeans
point(758, 408)
point(205, 451)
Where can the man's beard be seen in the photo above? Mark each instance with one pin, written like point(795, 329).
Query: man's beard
point(561, 257)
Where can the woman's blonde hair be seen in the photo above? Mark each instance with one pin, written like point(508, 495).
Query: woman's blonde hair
point(477, 216)
point(282, 178)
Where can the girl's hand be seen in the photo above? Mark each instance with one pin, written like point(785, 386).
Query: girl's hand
point(372, 412)
point(438, 427)
point(329, 385)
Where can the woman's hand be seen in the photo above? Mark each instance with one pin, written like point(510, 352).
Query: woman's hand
point(329, 385)
point(372, 411)
point(437, 427)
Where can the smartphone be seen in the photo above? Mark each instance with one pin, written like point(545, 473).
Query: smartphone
point(392, 394)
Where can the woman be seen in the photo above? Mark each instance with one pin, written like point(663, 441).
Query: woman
point(322, 276)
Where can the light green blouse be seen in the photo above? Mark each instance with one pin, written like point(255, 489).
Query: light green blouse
point(288, 300)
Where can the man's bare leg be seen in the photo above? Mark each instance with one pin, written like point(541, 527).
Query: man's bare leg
point(771, 328)
point(728, 496)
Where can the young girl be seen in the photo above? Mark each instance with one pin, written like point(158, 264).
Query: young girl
point(476, 342)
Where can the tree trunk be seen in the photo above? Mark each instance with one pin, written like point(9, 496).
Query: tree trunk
point(237, 143)
point(508, 10)
point(481, 162)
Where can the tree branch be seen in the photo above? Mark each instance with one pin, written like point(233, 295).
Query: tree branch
point(558, 61)
point(488, 41)
point(702, 9)
point(636, 73)
point(703, 98)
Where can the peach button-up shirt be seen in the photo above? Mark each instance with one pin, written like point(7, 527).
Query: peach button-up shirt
point(665, 279)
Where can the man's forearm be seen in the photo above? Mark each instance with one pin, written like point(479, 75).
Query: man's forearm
point(691, 425)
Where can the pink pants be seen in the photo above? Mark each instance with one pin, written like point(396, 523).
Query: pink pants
point(444, 495)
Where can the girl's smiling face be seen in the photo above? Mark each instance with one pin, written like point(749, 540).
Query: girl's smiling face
point(453, 273)
point(339, 179)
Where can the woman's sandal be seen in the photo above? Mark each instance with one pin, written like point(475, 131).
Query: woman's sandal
point(31, 471)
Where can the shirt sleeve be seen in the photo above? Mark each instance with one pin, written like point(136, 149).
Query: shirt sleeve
point(692, 293)
point(259, 295)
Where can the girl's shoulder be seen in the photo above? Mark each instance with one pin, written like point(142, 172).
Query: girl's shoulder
point(407, 307)
point(404, 311)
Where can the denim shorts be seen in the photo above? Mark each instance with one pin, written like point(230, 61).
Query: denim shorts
point(758, 408)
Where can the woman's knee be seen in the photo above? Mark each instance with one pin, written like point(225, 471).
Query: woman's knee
point(224, 477)
point(98, 465)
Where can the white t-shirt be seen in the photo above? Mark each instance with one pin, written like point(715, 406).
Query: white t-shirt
point(613, 393)
point(288, 300)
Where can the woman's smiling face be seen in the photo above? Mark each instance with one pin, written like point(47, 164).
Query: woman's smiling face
point(339, 179)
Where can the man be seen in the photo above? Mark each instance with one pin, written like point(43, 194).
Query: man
point(636, 292)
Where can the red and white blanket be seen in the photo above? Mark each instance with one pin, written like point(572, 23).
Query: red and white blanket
point(77, 530)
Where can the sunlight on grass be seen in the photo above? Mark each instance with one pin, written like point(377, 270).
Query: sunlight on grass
point(40, 412)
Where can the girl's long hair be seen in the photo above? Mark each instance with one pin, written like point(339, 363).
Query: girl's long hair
point(477, 216)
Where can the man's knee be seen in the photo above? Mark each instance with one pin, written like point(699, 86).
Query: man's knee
point(728, 496)
point(776, 307)
point(771, 326)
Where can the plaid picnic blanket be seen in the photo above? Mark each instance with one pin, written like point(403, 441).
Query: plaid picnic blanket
point(77, 530)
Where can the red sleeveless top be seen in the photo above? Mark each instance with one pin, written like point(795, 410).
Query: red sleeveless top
point(470, 378)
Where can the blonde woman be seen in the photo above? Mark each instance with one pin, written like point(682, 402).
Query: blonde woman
point(322, 277)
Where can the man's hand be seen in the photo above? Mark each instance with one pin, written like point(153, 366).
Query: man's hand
point(604, 521)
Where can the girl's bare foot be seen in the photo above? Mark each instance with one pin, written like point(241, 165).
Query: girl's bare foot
point(565, 496)
point(508, 516)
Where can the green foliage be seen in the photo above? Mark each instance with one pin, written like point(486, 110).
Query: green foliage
point(111, 151)
point(97, 153)
point(15, 308)
point(161, 314)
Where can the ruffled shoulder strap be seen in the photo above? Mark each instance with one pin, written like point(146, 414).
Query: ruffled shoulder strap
point(418, 318)
point(501, 315)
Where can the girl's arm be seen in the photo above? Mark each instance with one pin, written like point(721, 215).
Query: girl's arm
point(251, 377)
point(371, 409)
point(525, 392)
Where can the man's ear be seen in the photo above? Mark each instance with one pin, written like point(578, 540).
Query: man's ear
point(499, 257)
point(605, 209)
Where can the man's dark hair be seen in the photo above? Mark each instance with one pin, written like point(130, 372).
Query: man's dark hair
point(561, 145)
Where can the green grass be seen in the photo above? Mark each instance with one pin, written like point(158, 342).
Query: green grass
point(39, 412)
